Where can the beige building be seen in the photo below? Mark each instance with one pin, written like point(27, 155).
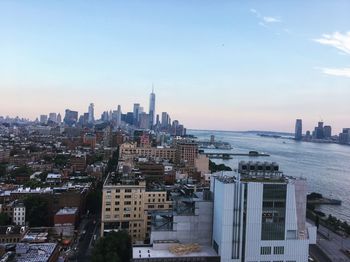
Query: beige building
point(186, 152)
point(127, 205)
point(131, 150)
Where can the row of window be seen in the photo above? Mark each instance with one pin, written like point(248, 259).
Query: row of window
point(279, 250)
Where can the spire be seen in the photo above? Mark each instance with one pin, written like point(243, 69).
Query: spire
point(152, 88)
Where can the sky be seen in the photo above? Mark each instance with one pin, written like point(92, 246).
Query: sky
point(223, 65)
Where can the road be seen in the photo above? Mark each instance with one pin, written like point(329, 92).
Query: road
point(331, 244)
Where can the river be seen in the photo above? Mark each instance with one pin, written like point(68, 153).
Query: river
point(325, 166)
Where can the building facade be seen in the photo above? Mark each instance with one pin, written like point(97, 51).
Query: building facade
point(259, 215)
point(127, 205)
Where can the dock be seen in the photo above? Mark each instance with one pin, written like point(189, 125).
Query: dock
point(230, 155)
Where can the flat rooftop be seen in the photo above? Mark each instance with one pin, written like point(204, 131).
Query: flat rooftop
point(146, 252)
point(67, 211)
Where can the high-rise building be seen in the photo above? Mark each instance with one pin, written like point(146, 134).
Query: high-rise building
point(59, 118)
point(260, 215)
point(119, 116)
point(136, 112)
point(165, 120)
point(53, 117)
point(298, 129)
point(327, 132)
point(71, 117)
point(144, 120)
point(43, 119)
point(91, 114)
point(319, 131)
point(152, 108)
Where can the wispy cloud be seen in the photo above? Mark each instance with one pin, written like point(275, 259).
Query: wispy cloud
point(264, 20)
point(337, 40)
point(345, 72)
point(270, 19)
point(342, 43)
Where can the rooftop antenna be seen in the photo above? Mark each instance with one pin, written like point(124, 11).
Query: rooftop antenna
point(152, 88)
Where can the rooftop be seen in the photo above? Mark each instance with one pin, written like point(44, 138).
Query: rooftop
point(34, 252)
point(67, 211)
point(150, 251)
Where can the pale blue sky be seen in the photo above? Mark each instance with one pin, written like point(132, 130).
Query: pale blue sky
point(233, 65)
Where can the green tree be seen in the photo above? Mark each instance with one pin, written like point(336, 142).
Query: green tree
point(215, 168)
point(4, 219)
point(37, 211)
point(115, 247)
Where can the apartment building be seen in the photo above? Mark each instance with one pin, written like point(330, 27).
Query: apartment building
point(127, 205)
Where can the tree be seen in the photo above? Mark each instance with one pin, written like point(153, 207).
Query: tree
point(4, 219)
point(115, 247)
point(215, 168)
point(37, 211)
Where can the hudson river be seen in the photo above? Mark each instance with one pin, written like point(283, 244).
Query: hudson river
point(325, 166)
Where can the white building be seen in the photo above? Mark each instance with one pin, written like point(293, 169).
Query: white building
point(19, 214)
point(259, 215)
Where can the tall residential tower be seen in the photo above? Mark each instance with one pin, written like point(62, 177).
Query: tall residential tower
point(152, 108)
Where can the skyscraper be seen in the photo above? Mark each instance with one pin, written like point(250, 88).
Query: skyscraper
point(53, 117)
point(298, 129)
point(152, 108)
point(91, 113)
point(136, 112)
point(119, 116)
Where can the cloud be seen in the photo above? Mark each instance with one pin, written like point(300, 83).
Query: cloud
point(337, 40)
point(265, 19)
point(345, 72)
point(270, 19)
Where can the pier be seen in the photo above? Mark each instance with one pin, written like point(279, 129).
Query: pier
point(230, 155)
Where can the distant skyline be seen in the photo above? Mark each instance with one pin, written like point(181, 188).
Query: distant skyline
point(219, 65)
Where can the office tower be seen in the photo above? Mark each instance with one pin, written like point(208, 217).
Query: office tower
point(298, 130)
point(157, 120)
point(152, 109)
point(260, 215)
point(59, 118)
point(91, 118)
point(144, 120)
point(327, 132)
point(129, 118)
point(136, 112)
point(126, 204)
point(71, 117)
point(165, 120)
point(319, 131)
point(53, 117)
point(43, 119)
point(344, 137)
point(104, 116)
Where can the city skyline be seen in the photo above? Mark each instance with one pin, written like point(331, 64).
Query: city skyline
point(226, 66)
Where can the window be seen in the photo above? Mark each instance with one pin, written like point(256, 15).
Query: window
point(265, 250)
point(150, 206)
point(108, 209)
point(278, 250)
point(127, 196)
point(126, 215)
point(127, 202)
point(117, 196)
point(117, 190)
point(116, 203)
point(116, 209)
point(160, 206)
point(128, 190)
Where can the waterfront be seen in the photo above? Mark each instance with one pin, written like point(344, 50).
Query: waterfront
point(325, 166)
